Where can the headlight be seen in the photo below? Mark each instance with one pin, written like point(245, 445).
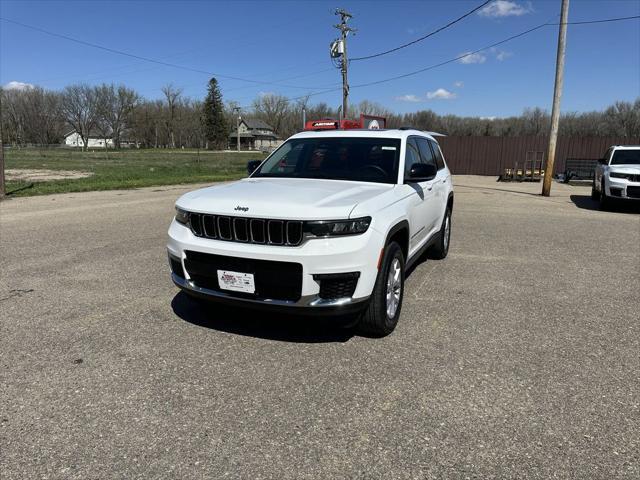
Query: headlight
point(182, 216)
point(330, 228)
point(618, 175)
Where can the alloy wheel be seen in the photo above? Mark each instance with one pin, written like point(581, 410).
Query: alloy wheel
point(394, 287)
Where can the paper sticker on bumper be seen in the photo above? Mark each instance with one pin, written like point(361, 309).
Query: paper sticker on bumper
point(236, 281)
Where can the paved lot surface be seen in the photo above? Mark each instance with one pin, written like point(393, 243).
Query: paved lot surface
point(506, 362)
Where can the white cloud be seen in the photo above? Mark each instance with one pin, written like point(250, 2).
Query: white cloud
point(441, 94)
point(458, 84)
point(472, 58)
point(18, 86)
point(502, 55)
point(488, 118)
point(266, 94)
point(408, 98)
point(505, 8)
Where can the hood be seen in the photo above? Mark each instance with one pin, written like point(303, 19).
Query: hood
point(630, 169)
point(286, 198)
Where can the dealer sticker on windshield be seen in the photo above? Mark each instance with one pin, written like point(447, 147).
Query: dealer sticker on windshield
point(236, 281)
point(388, 148)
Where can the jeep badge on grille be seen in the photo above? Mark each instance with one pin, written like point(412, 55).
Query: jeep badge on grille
point(241, 209)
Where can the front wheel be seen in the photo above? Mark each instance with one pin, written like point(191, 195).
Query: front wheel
point(594, 192)
point(381, 316)
point(604, 200)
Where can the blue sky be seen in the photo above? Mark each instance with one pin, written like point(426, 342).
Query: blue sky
point(286, 43)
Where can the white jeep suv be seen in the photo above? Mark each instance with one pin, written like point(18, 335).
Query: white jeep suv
point(328, 223)
point(617, 175)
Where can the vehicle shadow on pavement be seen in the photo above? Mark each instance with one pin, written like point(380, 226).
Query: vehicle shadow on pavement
point(505, 190)
point(260, 324)
point(587, 203)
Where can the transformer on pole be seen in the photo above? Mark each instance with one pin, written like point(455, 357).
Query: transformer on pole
point(338, 50)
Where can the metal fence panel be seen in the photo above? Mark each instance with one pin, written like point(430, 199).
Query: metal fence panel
point(491, 155)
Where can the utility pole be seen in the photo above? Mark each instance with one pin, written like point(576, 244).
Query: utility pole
point(557, 93)
point(1, 153)
point(341, 50)
point(237, 110)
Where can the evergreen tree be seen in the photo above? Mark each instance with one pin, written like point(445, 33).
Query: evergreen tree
point(215, 124)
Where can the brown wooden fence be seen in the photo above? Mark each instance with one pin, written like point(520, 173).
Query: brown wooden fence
point(491, 155)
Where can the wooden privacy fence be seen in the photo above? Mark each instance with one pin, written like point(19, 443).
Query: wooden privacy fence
point(491, 155)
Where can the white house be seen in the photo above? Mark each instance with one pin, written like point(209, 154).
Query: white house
point(72, 139)
point(95, 140)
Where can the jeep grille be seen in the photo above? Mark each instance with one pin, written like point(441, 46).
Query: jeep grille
point(247, 230)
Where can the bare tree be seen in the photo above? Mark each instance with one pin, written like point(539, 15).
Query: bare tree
point(79, 108)
point(272, 109)
point(12, 118)
point(172, 95)
point(367, 107)
point(116, 107)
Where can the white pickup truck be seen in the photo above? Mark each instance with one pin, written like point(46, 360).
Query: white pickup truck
point(328, 223)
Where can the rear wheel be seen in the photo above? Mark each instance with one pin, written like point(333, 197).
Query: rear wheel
point(441, 248)
point(382, 314)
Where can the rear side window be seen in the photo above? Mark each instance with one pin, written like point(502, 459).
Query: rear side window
point(438, 154)
point(425, 151)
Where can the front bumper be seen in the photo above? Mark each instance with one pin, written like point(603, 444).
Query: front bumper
point(322, 256)
point(310, 304)
point(622, 188)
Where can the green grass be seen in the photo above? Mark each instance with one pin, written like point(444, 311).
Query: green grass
point(125, 168)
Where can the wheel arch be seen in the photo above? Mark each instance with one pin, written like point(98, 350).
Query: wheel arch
point(400, 234)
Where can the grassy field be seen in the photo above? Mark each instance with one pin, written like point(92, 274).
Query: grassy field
point(124, 168)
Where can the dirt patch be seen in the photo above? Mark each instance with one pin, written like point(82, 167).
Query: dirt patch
point(43, 174)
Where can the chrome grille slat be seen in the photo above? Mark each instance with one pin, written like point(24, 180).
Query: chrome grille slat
point(224, 228)
point(294, 232)
point(275, 232)
point(240, 232)
point(256, 225)
point(209, 226)
point(195, 220)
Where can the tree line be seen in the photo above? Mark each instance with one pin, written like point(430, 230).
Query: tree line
point(40, 116)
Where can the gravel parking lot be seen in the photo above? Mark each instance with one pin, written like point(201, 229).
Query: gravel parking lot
point(516, 357)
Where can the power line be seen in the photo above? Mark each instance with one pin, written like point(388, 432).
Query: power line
point(289, 78)
point(459, 57)
point(147, 59)
point(618, 19)
point(444, 27)
point(513, 37)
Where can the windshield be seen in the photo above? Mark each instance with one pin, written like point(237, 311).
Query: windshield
point(339, 158)
point(626, 157)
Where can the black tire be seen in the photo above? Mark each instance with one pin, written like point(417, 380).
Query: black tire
point(595, 195)
point(440, 249)
point(376, 320)
point(605, 201)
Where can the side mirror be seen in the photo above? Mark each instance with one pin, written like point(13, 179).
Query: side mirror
point(422, 172)
point(252, 165)
point(603, 161)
